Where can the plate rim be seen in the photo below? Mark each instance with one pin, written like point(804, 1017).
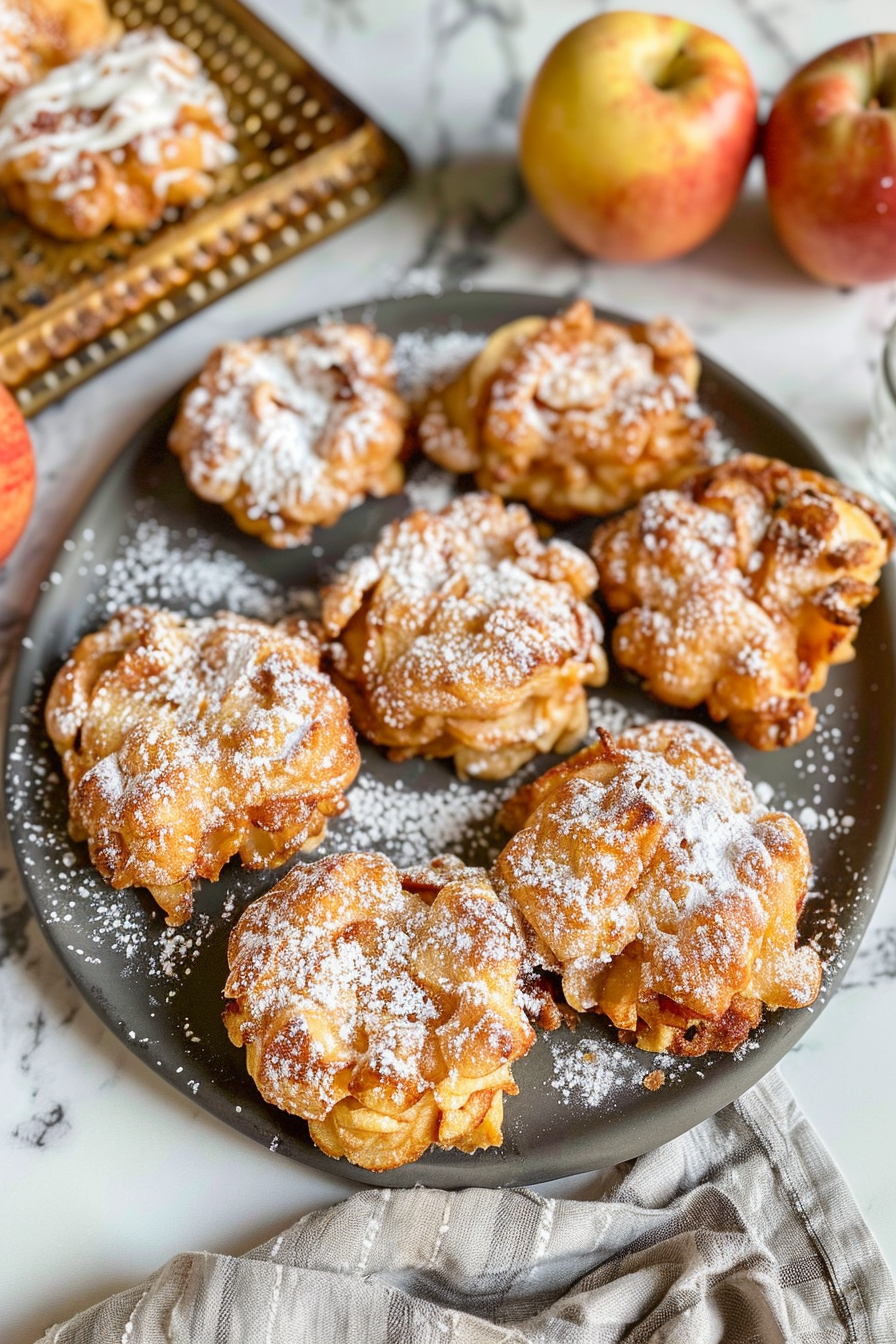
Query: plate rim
point(491, 1167)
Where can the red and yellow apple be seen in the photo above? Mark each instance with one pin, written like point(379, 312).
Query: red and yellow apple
point(830, 162)
point(16, 473)
point(636, 135)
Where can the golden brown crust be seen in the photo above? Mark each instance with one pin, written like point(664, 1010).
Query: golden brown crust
point(665, 1028)
point(387, 1020)
point(188, 741)
point(663, 892)
point(288, 433)
point(464, 635)
point(741, 589)
point(573, 414)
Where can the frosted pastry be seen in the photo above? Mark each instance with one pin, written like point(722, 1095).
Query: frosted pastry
point(36, 35)
point(385, 1012)
point(741, 589)
point(186, 742)
point(662, 891)
point(114, 137)
point(464, 635)
point(574, 414)
point(290, 432)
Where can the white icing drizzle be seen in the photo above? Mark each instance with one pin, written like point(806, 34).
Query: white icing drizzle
point(140, 89)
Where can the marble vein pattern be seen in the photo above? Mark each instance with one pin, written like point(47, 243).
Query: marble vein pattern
point(446, 76)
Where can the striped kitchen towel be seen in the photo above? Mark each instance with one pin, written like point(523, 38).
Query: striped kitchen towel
point(740, 1231)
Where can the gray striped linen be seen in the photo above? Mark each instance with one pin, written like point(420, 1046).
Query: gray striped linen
point(740, 1231)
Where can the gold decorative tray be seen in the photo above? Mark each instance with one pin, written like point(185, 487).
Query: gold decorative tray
point(308, 163)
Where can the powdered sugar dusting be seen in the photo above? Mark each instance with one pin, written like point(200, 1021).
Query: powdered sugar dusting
point(180, 736)
point(475, 635)
point(342, 969)
point(162, 566)
point(411, 825)
point(680, 856)
point(605, 712)
point(715, 583)
point(292, 430)
point(587, 1069)
point(429, 487)
point(426, 360)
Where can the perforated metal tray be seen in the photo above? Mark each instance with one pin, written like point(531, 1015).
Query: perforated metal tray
point(308, 163)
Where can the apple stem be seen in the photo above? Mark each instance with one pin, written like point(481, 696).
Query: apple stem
point(881, 78)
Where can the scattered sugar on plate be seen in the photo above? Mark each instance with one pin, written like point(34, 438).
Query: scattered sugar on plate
point(718, 447)
point(414, 826)
point(604, 712)
point(185, 571)
point(426, 360)
point(586, 1069)
point(430, 487)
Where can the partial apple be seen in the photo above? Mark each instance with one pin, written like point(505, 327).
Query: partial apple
point(16, 473)
point(830, 163)
point(636, 135)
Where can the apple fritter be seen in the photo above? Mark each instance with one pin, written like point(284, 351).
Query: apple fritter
point(290, 432)
point(573, 415)
point(37, 35)
point(464, 635)
point(114, 137)
point(661, 890)
point(185, 742)
point(741, 589)
point(382, 1010)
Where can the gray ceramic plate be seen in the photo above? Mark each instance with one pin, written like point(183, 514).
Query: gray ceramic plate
point(161, 993)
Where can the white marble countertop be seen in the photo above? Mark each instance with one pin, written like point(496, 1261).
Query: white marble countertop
point(105, 1170)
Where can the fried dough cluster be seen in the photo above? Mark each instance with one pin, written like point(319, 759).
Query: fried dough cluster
point(741, 589)
point(573, 415)
point(288, 433)
point(188, 741)
point(661, 890)
point(114, 137)
point(464, 635)
point(383, 1010)
point(37, 35)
